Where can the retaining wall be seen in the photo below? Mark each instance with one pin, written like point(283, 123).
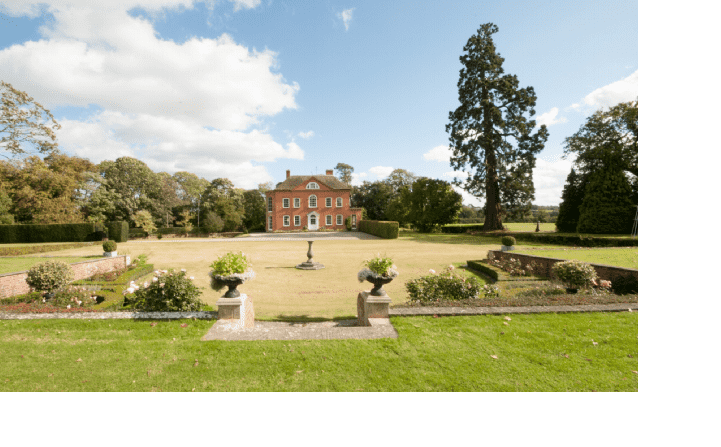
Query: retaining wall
point(14, 283)
point(607, 272)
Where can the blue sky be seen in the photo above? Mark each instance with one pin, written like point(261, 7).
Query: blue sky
point(248, 89)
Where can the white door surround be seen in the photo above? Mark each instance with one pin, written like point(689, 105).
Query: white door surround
point(312, 221)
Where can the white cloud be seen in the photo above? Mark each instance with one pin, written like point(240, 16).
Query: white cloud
point(456, 174)
point(549, 177)
point(306, 135)
point(346, 16)
point(608, 96)
point(439, 153)
point(175, 106)
point(381, 171)
point(357, 178)
point(468, 199)
point(549, 118)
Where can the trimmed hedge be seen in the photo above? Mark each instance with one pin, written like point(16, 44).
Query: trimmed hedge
point(118, 230)
point(79, 232)
point(483, 268)
point(576, 240)
point(457, 229)
point(386, 230)
point(29, 249)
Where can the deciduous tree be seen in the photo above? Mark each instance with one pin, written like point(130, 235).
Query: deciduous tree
point(482, 129)
point(433, 203)
point(344, 172)
point(25, 124)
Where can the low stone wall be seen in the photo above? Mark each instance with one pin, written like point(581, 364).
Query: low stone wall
point(607, 272)
point(14, 283)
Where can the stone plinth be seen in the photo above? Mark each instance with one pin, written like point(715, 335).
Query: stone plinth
point(240, 308)
point(372, 307)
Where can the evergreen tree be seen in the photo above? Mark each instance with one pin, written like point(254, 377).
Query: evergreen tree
point(607, 207)
point(571, 200)
point(483, 127)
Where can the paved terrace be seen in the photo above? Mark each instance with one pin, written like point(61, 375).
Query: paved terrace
point(262, 237)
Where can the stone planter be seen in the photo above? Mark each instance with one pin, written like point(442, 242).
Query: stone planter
point(507, 247)
point(378, 282)
point(110, 254)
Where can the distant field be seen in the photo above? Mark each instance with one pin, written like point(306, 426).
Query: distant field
point(619, 257)
point(12, 265)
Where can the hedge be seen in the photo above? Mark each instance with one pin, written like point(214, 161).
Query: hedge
point(483, 268)
point(118, 231)
point(29, 249)
point(576, 240)
point(461, 228)
point(386, 230)
point(78, 232)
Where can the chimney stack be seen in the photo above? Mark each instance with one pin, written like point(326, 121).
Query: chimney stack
point(287, 173)
point(328, 172)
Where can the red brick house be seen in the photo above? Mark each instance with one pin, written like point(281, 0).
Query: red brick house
point(312, 201)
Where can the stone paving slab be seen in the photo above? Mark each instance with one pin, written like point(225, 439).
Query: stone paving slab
point(201, 315)
point(275, 330)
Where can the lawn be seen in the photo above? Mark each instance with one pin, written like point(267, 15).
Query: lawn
point(619, 257)
point(20, 264)
point(280, 289)
point(541, 352)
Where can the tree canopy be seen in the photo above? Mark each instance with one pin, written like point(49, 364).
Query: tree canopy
point(25, 123)
point(482, 130)
point(433, 203)
point(344, 172)
point(607, 137)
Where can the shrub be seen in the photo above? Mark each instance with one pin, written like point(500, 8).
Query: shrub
point(213, 223)
point(574, 274)
point(623, 285)
point(508, 240)
point(49, 276)
point(348, 224)
point(167, 292)
point(446, 286)
point(143, 219)
point(379, 265)
point(109, 246)
point(73, 296)
point(118, 230)
point(230, 263)
point(483, 268)
point(386, 230)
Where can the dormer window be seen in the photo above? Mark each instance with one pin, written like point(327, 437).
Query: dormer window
point(312, 185)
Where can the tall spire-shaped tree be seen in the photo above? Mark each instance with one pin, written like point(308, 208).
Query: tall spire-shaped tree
point(491, 113)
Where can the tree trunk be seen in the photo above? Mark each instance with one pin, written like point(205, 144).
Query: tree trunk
point(493, 197)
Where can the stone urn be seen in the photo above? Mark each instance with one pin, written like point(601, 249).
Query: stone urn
point(378, 282)
point(231, 282)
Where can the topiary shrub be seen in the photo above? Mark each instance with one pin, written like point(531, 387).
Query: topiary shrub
point(508, 240)
point(167, 292)
point(574, 274)
point(109, 246)
point(50, 276)
point(118, 230)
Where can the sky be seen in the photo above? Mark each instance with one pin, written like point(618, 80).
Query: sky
point(248, 89)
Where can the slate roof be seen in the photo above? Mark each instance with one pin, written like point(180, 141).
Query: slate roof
point(294, 181)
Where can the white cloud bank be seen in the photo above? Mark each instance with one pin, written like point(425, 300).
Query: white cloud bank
point(381, 171)
point(346, 16)
point(608, 96)
point(438, 153)
point(186, 106)
point(550, 118)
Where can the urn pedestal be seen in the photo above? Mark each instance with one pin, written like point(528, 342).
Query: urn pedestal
point(240, 308)
point(371, 307)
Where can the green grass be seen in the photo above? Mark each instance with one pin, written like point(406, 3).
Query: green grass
point(20, 264)
point(541, 352)
point(619, 257)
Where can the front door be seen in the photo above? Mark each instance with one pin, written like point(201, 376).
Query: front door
point(312, 222)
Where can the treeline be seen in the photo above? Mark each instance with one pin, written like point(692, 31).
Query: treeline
point(64, 189)
point(533, 214)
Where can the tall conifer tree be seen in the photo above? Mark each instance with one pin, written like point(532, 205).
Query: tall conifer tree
point(481, 130)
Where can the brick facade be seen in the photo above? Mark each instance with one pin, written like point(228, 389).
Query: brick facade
point(294, 213)
point(14, 283)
